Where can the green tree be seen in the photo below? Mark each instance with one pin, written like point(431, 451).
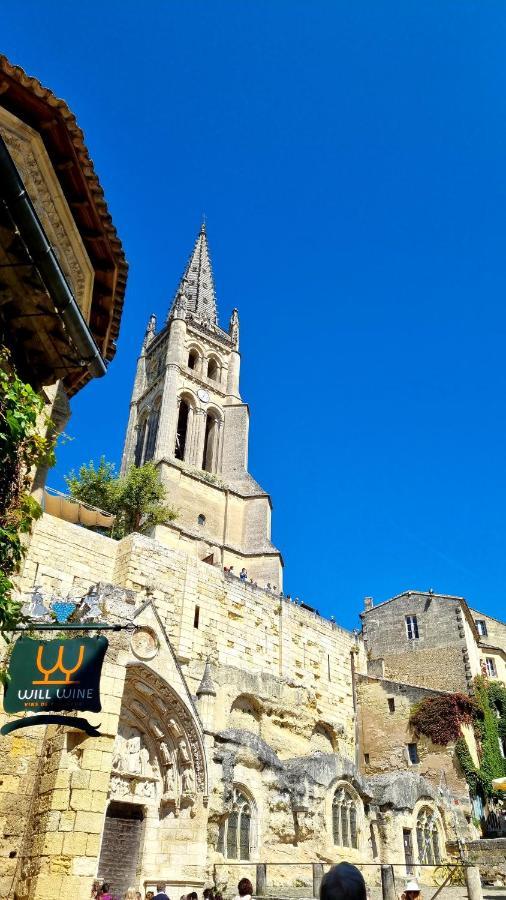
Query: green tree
point(137, 499)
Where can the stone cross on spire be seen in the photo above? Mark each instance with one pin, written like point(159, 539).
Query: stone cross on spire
point(197, 282)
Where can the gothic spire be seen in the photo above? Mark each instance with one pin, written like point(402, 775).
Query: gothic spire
point(197, 283)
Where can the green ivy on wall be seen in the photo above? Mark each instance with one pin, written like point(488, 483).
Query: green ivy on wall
point(441, 718)
point(26, 441)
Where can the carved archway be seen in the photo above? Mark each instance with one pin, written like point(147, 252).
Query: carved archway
point(158, 756)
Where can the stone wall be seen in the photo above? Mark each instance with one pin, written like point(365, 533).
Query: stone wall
point(244, 628)
point(384, 711)
point(438, 659)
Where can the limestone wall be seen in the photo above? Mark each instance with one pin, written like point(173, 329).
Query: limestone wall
point(384, 711)
point(240, 626)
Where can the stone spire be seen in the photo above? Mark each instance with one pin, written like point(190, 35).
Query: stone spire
point(150, 331)
point(206, 686)
point(197, 283)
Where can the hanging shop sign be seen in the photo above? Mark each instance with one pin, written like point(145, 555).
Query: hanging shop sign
point(54, 676)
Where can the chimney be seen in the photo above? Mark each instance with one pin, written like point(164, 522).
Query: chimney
point(368, 603)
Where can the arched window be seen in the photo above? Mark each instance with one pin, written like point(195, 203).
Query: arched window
point(427, 837)
point(344, 818)
point(212, 369)
point(235, 837)
point(154, 420)
point(182, 428)
point(141, 441)
point(193, 358)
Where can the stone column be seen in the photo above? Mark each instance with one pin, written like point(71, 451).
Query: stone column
point(190, 427)
point(168, 410)
point(261, 879)
point(473, 883)
point(234, 366)
point(388, 883)
point(200, 426)
point(317, 878)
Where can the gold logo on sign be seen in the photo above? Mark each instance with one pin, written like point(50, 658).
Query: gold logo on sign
point(58, 667)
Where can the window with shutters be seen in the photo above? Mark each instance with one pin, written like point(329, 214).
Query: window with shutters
point(235, 840)
point(344, 818)
point(411, 628)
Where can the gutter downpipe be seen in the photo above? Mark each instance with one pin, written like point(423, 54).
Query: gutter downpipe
point(14, 193)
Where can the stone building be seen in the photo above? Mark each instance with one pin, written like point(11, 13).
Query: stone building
point(434, 640)
point(237, 727)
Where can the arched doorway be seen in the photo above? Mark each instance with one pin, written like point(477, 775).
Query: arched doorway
point(157, 785)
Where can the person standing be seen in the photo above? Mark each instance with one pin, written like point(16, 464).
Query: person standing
point(244, 889)
point(411, 891)
point(343, 882)
point(160, 892)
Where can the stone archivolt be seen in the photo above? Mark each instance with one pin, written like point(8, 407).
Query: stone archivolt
point(158, 754)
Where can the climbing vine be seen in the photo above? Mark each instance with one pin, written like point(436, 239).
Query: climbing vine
point(23, 445)
point(440, 719)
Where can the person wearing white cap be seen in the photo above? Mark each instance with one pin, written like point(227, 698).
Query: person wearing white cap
point(411, 891)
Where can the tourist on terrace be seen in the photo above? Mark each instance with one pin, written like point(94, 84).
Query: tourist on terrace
point(343, 882)
point(105, 895)
point(411, 891)
point(245, 889)
point(160, 892)
point(243, 575)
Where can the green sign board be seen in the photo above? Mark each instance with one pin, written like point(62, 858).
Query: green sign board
point(57, 675)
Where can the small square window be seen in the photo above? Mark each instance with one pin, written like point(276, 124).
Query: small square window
point(411, 628)
point(481, 627)
point(391, 705)
point(413, 753)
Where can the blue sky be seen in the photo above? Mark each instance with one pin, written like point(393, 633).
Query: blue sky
point(350, 160)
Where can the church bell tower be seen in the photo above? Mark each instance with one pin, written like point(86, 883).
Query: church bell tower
point(187, 416)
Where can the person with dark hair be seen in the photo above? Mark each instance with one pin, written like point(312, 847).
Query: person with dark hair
point(343, 882)
point(244, 889)
point(160, 892)
point(193, 896)
point(105, 895)
point(208, 894)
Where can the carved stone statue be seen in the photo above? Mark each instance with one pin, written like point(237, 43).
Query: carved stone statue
point(184, 756)
point(187, 781)
point(165, 754)
point(133, 755)
point(169, 782)
point(146, 767)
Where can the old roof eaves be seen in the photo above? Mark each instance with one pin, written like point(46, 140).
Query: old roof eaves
point(33, 85)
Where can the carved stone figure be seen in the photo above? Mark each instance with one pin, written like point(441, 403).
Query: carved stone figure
point(187, 781)
point(165, 754)
point(133, 755)
point(169, 782)
point(184, 756)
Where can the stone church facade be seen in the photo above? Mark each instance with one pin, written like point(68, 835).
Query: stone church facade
point(237, 726)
